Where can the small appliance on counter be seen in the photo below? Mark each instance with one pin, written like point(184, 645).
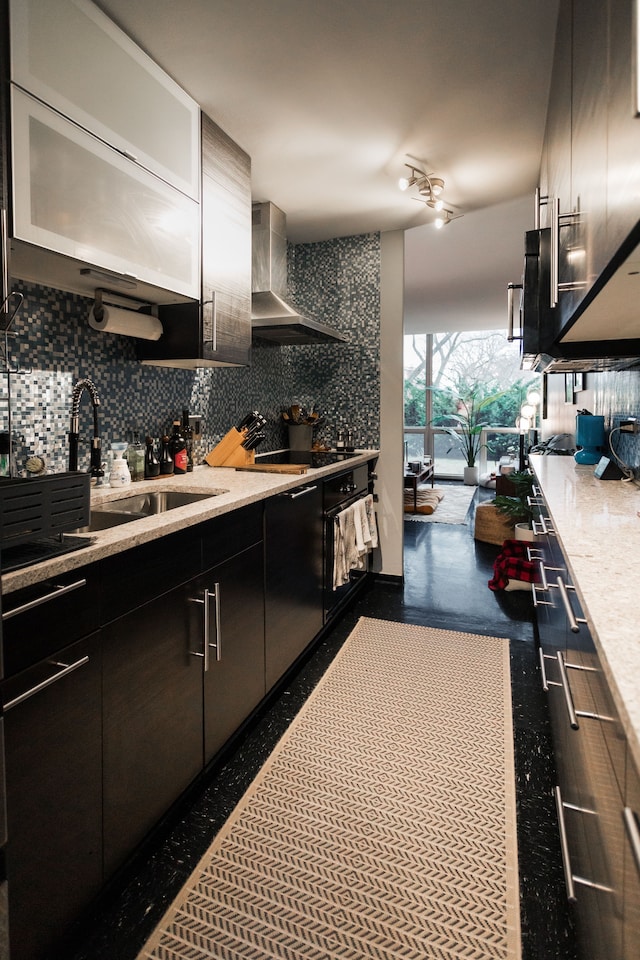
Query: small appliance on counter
point(589, 437)
point(37, 512)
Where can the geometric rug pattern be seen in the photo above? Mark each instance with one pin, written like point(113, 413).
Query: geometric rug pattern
point(382, 826)
point(452, 508)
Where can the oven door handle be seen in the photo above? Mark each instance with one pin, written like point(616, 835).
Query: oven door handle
point(299, 493)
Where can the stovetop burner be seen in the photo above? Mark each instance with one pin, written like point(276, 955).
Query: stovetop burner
point(314, 458)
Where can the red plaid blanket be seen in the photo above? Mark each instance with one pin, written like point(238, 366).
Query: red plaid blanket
point(512, 564)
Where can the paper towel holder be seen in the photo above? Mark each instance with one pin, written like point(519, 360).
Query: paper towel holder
point(102, 296)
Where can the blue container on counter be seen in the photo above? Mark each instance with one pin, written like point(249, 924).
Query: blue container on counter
point(589, 437)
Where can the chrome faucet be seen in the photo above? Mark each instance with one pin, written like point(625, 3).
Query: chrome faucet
point(97, 473)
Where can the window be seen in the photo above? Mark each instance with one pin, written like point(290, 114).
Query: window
point(440, 368)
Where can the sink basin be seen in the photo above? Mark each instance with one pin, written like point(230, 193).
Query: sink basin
point(148, 504)
point(138, 506)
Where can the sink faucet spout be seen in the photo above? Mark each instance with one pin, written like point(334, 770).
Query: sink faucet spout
point(96, 471)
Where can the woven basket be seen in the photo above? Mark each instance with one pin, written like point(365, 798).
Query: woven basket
point(491, 526)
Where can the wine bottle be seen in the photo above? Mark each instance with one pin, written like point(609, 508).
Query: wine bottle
point(178, 449)
point(166, 460)
point(187, 433)
point(151, 462)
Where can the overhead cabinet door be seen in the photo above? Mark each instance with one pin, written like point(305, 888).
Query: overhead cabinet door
point(71, 56)
point(76, 196)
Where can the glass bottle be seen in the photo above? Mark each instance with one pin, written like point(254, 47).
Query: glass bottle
point(166, 460)
point(187, 433)
point(136, 458)
point(151, 462)
point(178, 449)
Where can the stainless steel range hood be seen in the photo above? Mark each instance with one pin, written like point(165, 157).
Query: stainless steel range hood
point(272, 316)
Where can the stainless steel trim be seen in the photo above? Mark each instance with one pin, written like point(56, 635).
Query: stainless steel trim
point(300, 493)
point(4, 266)
point(67, 669)
point(58, 592)
point(566, 689)
point(217, 646)
point(633, 833)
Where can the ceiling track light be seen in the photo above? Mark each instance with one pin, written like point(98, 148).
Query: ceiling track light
point(430, 189)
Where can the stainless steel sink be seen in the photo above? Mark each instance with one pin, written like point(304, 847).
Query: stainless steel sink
point(138, 506)
point(148, 504)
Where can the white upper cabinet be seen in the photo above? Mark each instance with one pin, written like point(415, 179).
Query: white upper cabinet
point(77, 197)
point(70, 55)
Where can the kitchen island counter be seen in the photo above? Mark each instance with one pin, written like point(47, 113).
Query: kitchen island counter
point(239, 488)
point(598, 526)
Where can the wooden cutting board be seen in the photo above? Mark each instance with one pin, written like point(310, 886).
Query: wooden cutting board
point(276, 467)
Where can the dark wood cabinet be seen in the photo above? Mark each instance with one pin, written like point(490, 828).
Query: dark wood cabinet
point(53, 730)
point(234, 675)
point(294, 575)
point(589, 749)
point(152, 736)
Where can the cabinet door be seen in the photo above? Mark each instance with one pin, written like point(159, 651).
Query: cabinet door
point(293, 601)
point(76, 196)
point(631, 934)
point(71, 56)
point(234, 631)
point(588, 254)
point(623, 127)
point(558, 154)
point(226, 247)
point(54, 795)
point(152, 716)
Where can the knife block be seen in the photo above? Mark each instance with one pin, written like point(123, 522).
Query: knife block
point(229, 452)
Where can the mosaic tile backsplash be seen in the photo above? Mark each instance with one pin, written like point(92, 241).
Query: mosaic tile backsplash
point(51, 346)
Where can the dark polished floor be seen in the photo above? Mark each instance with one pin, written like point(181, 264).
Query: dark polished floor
point(446, 574)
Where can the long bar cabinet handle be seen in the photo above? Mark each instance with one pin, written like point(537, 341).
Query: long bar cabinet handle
point(217, 646)
point(566, 689)
point(67, 668)
point(564, 596)
point(205, 628)
point(564, 848)
point(633, 833)
point(543, 671)
point(59, 591)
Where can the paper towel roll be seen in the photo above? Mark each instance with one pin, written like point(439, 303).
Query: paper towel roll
point(126, 323)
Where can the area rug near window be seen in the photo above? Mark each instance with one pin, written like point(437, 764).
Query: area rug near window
point(452, 508)
point(382, 825)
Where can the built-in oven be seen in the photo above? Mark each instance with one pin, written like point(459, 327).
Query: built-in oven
point(340, 492)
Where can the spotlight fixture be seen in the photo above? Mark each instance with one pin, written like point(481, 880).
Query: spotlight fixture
point(430, 189)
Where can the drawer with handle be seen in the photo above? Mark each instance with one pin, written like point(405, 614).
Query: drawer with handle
point(39, 620)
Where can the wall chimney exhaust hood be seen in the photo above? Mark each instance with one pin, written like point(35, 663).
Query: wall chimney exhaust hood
point(273, 318)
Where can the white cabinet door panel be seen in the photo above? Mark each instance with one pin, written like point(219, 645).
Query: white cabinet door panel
point(75, 195)
point(73, 57)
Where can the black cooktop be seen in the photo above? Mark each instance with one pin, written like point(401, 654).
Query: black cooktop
point(314, 458)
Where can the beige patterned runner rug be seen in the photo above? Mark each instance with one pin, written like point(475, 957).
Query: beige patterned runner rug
point(383, 824)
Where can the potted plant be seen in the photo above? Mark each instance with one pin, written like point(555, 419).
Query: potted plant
point(468, 426)
point(516, 507)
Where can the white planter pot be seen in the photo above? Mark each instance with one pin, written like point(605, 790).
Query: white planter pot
point(524, 532)
point(471, 476)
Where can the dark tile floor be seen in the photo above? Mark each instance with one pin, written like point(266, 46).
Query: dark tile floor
point(446, 574)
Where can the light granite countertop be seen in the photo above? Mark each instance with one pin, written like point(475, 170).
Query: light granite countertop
point(598, 526)
point(233, 489)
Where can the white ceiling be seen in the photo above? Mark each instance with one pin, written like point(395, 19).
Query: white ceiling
point(330, 97)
